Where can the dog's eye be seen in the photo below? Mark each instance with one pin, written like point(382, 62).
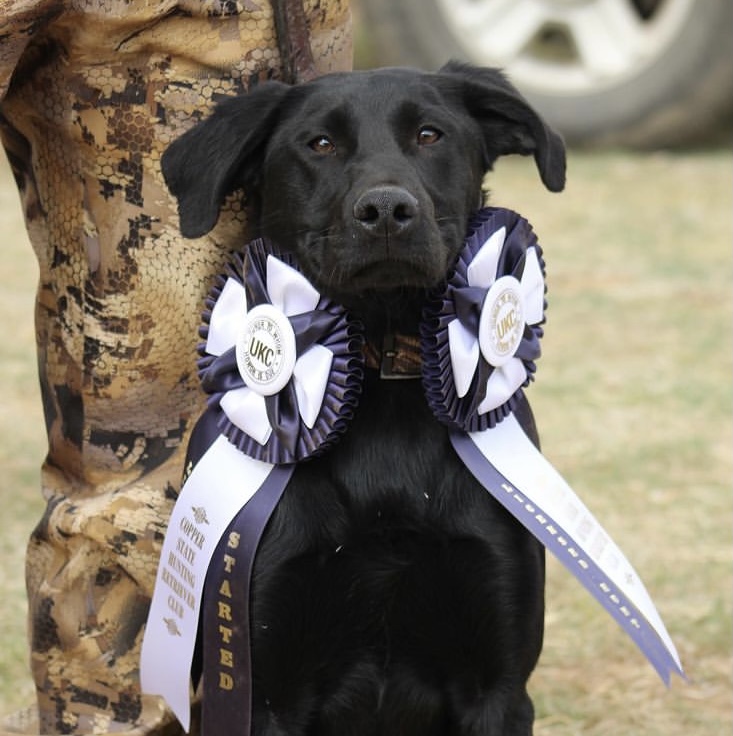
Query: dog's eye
point(428, 135)
point(322, 144)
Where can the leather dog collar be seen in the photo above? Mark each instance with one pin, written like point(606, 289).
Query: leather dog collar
point(398, 357)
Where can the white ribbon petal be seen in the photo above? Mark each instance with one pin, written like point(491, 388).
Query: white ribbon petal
point(246, 409)
point(533, 288)
point(227, 318)
point(482, 269)
point(311, 378)
point(502, 384)
point(464, 356)
point(289, 290)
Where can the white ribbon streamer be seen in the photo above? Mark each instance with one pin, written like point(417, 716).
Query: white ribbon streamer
point(509, 450)
point(195, 528)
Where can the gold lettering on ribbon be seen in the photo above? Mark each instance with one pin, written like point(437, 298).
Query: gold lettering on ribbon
point(226, 658)
point(186, 551)
point(192, 532)
point(225, 616)
point(184, 572)
point(180, 590)
point(225, 589)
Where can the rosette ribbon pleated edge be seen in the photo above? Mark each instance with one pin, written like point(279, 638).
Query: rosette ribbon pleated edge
point(283, 368)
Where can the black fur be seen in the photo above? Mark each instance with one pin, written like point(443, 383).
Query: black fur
point(391, 594)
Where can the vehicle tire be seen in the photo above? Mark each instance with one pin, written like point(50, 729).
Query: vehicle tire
point(664, 76)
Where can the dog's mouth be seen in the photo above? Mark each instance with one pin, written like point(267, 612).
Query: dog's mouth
point(391, 274)
point(350, 270)
point(383, 292)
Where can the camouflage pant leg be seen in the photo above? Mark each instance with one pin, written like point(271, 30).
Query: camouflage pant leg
point(90, 568)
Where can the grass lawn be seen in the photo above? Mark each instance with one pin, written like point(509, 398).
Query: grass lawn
point(633, 400)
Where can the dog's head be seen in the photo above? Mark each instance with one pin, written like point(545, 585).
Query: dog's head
point(369, 177)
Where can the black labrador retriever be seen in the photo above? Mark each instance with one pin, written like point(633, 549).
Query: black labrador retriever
point(391, 593)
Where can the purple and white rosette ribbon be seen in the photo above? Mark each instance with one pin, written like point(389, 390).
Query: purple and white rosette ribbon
point(282, 362)
point(480, 338)
point(283, 367)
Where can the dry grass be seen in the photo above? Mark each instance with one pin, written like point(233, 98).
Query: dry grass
point(21, 440)
point(634, 404)
point(633, 398)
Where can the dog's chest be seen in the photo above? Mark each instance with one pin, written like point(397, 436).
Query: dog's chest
point(394, 439)
point(393, 470)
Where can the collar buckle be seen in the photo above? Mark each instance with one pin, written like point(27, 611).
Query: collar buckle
point(398, 359)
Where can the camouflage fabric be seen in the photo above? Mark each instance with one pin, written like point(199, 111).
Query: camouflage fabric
point(91, 93)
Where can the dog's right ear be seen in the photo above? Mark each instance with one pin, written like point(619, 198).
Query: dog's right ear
point(508, 122)
point(220, 154)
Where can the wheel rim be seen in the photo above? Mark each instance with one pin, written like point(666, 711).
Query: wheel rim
point(566, 47)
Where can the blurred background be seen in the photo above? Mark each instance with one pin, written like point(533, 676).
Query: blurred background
point(646, 73)
point(633, 395)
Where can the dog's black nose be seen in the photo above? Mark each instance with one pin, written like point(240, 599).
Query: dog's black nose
point(387, 210)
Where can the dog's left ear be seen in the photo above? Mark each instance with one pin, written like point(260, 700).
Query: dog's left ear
point(508, 122)
point(222, 153)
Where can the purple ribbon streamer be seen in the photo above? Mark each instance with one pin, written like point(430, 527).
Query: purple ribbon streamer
point(538, 522)
point(228, 710)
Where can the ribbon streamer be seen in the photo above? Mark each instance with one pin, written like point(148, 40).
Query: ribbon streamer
point(513, 471)
point(226, 613)
point(220, 484)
